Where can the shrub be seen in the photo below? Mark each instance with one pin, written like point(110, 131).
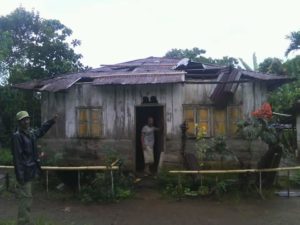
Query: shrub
point(5, 156)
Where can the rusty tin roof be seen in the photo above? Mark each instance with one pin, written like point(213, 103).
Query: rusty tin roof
point(151, 70)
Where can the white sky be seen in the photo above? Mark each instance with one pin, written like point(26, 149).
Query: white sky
point(113, 31)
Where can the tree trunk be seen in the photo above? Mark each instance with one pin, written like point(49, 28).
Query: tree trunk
point(271, 159)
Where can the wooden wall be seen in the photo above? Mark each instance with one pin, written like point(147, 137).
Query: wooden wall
point(118, 112)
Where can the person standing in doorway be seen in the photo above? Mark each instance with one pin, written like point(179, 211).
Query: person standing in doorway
point(26, 161)
point(147, 139)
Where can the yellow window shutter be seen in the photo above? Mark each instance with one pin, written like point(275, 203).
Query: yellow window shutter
point(95, 123)
point(234, 115)
point(190, 121)
point(203, 120)
point(83, 115)
point(82, 122)
point(83, 130)
point(219, 121)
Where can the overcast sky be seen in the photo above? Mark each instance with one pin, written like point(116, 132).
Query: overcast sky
point(113, 31)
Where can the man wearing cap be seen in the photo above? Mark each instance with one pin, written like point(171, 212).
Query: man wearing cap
point(26, 162)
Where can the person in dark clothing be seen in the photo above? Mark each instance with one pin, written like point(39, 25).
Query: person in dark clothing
point(26, 161)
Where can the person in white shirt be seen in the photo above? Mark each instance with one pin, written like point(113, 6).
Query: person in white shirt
point(147, 139)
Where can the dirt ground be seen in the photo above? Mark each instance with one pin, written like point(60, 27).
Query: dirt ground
point(149, 208)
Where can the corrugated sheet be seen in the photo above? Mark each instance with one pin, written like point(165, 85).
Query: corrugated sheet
point(152, 70)
point(263, 76)
point(140, 79)
point(52, 85)
point(224, 91)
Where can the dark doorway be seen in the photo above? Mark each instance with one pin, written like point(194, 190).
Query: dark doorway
point(141, 115)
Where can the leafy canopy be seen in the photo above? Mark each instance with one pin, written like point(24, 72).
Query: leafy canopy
point(32, 47)
point(196, 54)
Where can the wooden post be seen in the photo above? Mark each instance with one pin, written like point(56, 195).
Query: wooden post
point(47, 181)
point(112, 183)
point(79, 186)
point(260, 184)
point(7, 181)
point(179, 187)
point(288, 177)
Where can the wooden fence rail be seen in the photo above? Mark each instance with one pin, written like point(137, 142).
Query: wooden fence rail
point(111, 168)
point(260, 171)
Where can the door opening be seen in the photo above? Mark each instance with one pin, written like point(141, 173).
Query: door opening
point(142, 113)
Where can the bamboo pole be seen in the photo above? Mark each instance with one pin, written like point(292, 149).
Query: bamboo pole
point(234, 171)
point(71, 167)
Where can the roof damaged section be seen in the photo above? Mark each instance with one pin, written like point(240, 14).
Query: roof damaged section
point(51, 85)
point(224, 90)
point(160, 70)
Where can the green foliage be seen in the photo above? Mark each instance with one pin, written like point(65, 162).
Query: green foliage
point(257, 128)
point(294, 38)
point(283, 98)
point(14, 101)
point(100, 190)
point(196, 54)
point(254, 59)
point(5, 157)
point(246, 66)
point(30, 48)
point(200, 187)
point(273, 66)
point(34, 47)
point(295, 179)
point(207, 148)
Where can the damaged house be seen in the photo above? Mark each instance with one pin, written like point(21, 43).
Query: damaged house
point(105, 108)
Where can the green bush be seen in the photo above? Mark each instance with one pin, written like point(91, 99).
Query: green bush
point(100, 189)
point(5, 157)
point(192, 186)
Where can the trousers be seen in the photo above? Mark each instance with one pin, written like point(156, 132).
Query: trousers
point(24, 196)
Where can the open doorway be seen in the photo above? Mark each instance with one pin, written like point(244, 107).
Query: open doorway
point(141, 115)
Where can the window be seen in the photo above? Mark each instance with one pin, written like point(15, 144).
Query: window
point(213, 120)
point(89, 122)
point(197, 116)
point(219, 121)
point(234, 114)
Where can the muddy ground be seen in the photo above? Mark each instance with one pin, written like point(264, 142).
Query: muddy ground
point(149, 208)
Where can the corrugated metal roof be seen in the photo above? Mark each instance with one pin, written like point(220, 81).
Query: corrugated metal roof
point(150, 70)
point(142, 78)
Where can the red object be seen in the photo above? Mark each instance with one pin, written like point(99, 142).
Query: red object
point(264, 112)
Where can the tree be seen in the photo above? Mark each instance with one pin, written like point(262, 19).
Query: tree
point(273, 66)
point(34, 47)
point(31, 48)
point(283, 98)
point(196, 55)
point(294, 38)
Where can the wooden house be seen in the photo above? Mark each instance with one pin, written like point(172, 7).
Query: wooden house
point(105, 108)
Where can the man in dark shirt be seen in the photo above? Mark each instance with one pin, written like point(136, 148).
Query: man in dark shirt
point(26, 161)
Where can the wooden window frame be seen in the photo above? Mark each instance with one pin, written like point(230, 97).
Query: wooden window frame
point(197, 120)
point(89, 134)
point(211, 120)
